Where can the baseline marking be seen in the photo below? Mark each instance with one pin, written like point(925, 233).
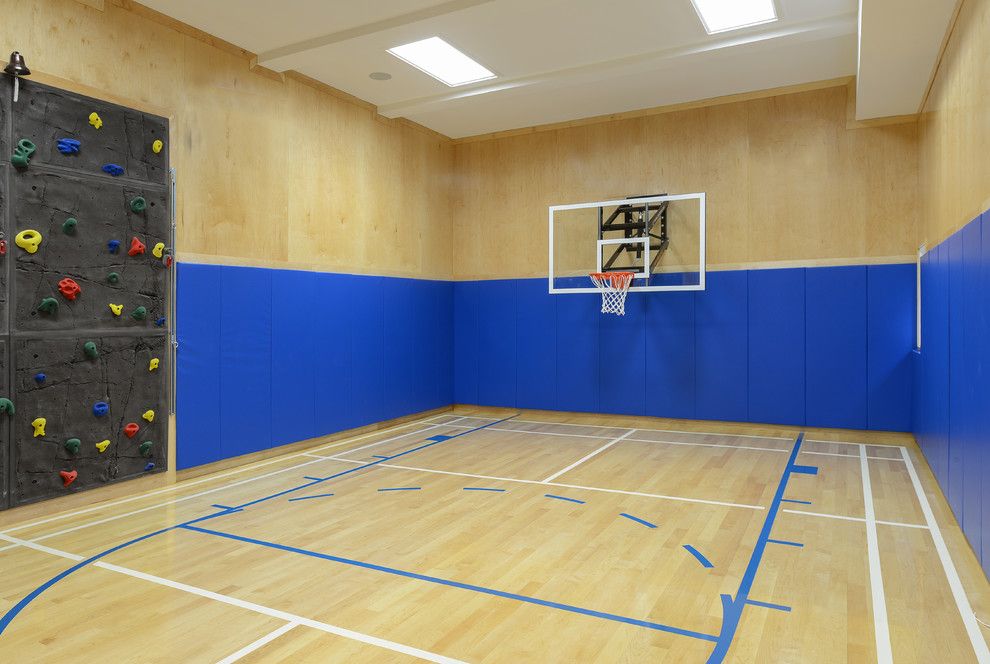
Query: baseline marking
point(588, 456)
point(881, 629)
point(265, 640)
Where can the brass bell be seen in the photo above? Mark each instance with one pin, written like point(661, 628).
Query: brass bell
point(17, 66)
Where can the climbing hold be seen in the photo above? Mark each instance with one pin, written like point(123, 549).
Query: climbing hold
point(39, 426)
point(145, 448)
point(168, 260)
point(72, 445)
point(157, 146)
point(95, 120)
point(68, 477)
point(101, 408)
point(68, 145)
point(139, 314)
point(113, 169)
point(116, 308)
point(153, 364)
point(113, 278)
point(160, 321)
point(69, 288)
point(137, 247)
point(90, 349)
point(149, 466)
point(40, 378)
point(49, 305)
point(28, 240)
point(158, 250)
point(103, 445)
point(7, 406)
point(130, 429)
point(22, 153)
point(69, 226)
point(138, 204)
point(3, 247)
point(113, 246)
point(149, 415)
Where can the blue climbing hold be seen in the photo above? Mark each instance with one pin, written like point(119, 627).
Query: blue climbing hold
point(101, 408)
point(160, 321)
point(113, 169)
point(68, 145)
point(113, 246)
point(40, 378)
point(150, 466)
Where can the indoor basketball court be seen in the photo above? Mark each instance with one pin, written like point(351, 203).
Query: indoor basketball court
point(495, 331)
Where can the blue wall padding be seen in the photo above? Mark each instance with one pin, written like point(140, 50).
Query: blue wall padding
point(969, 406)
point(466, 304)
point(623, 383)
point(670, 356)
point(536, 344)
point(198, 372)
point(957, 374)
point(721, 347)
point(577, 361)
point(268, 357)
point(836, 347)
point(497, 343)
point(776, 346)
point(891, 317)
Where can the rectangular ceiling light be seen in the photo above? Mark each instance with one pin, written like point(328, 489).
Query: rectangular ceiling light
point(722, 15)
point(442, 61)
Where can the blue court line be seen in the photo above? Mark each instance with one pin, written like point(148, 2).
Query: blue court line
point(378, 456)
point(318, 479)
point(805, 470)
point(732, 609)
point(222, 507)
point(638, 520)
point(440, 438)
point(12, 613)
point(768, 605)
point(457, 584)
point(570, 500)
point(480, 488)
point(697, 554)
point(785, 542)
point(318, 495)
point(403, 488)
point(799, 502)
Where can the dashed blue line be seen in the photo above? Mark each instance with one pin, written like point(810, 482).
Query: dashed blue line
point(638, 520)
point(784, 542)
point(799, 502)
point(318, 495)
point(402, 488)
point(768, 605)
point(481, 488)
point(697, 554)
point(570, 500)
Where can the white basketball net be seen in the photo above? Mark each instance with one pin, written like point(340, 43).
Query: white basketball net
point(614, 286)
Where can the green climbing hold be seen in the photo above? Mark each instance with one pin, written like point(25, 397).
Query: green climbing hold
point(138, 204)
point(90, 349)
point(49, 305)
point(6, 406)
point(140, 313)
point(72, 445)
point(69, 226)
point(22, 153)
point(113, 278)
point(145, 447)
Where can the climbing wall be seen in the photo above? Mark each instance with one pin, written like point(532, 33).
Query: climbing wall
point(84, 293)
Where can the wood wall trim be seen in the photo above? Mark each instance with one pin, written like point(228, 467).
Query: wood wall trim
point(370, 270)
point(946, 38)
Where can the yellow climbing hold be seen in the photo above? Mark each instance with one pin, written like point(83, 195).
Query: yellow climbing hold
point(39, 426)
point(153, 364)
point(157, 146)
point(103, 445)
point(28, 240)
point(149, 415)
point(116, 309)
point(157, 251)
point(95, 120)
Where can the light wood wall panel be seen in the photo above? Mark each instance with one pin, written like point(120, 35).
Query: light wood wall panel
point(270, 171)
point(955, 128)
point(788, 177)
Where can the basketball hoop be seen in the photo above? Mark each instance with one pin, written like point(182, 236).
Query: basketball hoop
point(614, 286)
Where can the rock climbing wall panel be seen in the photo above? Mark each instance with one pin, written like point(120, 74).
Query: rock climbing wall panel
point(85, 261)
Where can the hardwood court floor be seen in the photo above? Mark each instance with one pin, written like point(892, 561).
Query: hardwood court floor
point(541, 538)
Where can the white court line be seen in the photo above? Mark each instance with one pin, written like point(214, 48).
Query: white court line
point(568, 486)
point(697, 433)
point(858, 519)
point(210, 478)
point(880, 627)
point(263, 641)
point(850, 456)
point(588, 456)
point(955, 584)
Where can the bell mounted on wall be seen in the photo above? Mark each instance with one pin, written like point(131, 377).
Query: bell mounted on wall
point(17, 68)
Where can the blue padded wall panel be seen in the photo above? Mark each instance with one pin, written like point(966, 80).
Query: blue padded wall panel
point(721, 347)
point(366, 318)
point(536, 345)
point(443, 332)
point(836, 347)
point(401, 306)
point(670, 355)
point(577, 352)
point(466, 342)
point(333, 394)
point(424, 346)
point(983, 392)
point(497, 343)
point(622, 359)
point(969, 405)
point(295, 352)
point(957, 374)
point(937, 341)
point(245, 360)
point(776, 346)
point(890, 337)
point(198, 387)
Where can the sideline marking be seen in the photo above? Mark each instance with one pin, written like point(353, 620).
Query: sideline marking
point(881, 629)
point(588, 456)
point(254, 645)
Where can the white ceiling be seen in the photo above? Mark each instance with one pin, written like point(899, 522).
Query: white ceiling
point(555, 59)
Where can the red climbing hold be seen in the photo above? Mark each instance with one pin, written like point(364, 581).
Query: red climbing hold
point(3, 247)
point(68, 477)
point(130, 429)
point(137, 247)
point(69, 288)
point(168, 261)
